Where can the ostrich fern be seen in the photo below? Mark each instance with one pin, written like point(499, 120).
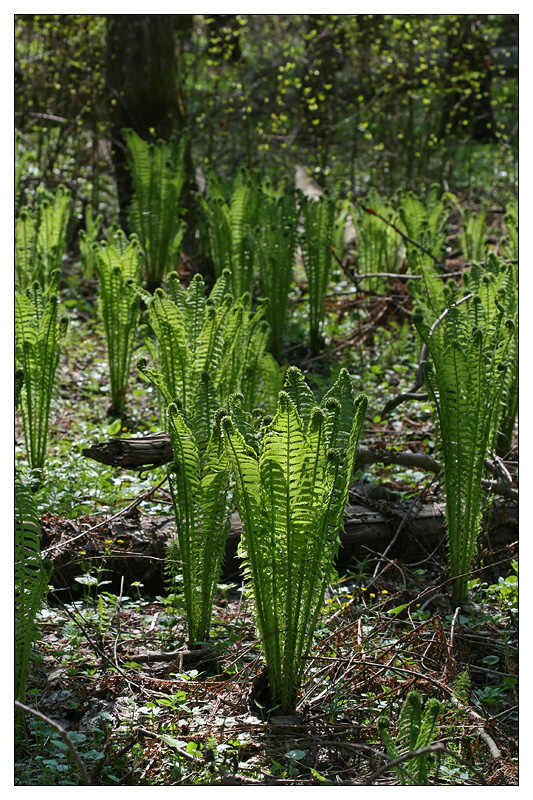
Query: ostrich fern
point(119, 268)
point(39, 339)
point(158, 175)
point(290, 497)
point(465, 380)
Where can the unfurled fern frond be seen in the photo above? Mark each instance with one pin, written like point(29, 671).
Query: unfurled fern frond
point(415, 732)
point(230, 222)
point(21, 159)
point(473, 234)
point(379, 247)
point(275, 247)
point(465, 382)
point(425, 223)
point(31, 581)
point(158, 175)
point(39, 339)
point(196, 334)
point(316, 243)
point(87, 239)
point(199, 483)
point(40, 238)
point(119, 267)
point(291, 497)
point(511, 226)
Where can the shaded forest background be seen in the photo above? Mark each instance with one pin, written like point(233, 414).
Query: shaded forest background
point(364, 99)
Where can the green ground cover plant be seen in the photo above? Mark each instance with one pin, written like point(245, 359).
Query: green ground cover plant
point(119, 266)
point(158, 177)
point(291, 497)
point(39, 340)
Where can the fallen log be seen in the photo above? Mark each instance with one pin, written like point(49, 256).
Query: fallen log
point(134, 548)
point(155, 450)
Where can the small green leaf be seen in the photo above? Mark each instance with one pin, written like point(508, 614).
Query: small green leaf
point(397, 609)
point(297, 755)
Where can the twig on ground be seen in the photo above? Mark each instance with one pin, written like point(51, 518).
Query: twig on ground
point(64, 735)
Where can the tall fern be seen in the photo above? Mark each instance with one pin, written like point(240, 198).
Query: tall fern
point(424, 221)
point(275, 247)
point(199, 484)
point(291, 496)
point(216, 335)
point(379, 246)
point(465, 382)
point(158, 175)
point(317, 242)
point(230, 222)
point(119, 268)
point(40, 237)
point(39, 339)
point(31, 583)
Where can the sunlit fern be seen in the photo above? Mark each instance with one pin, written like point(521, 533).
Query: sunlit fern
point(119, 267)
point(469, 352)
point(158, 176)
point(39, 339)
point(291, 497)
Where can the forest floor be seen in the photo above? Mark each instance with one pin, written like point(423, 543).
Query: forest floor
point(108, 666)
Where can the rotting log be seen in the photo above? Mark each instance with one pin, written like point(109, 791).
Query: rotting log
point(155, 450)
point(135, 547)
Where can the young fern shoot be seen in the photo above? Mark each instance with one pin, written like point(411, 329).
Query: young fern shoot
point(119, 267)
point(465, 381)
point(290, 497)
point(39, 339)
point(317, 243)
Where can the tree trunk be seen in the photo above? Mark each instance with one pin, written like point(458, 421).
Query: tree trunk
point(141, 78)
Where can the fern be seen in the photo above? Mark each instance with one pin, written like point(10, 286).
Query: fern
point(199, 484)
point(473, 236)
point(511, 225)
point(317, 242)
point(21, 159)
point(39, 339)
point(415, 732)
point(379, 246)
point(40, 237)
point(291, 496)
point(465, 383)
point(230, 222)
point(225, 339)
point(119, 267)
point(87, 239)
point(158, 175)
point(31, 582)
point(275, 246)
point(425, 223)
